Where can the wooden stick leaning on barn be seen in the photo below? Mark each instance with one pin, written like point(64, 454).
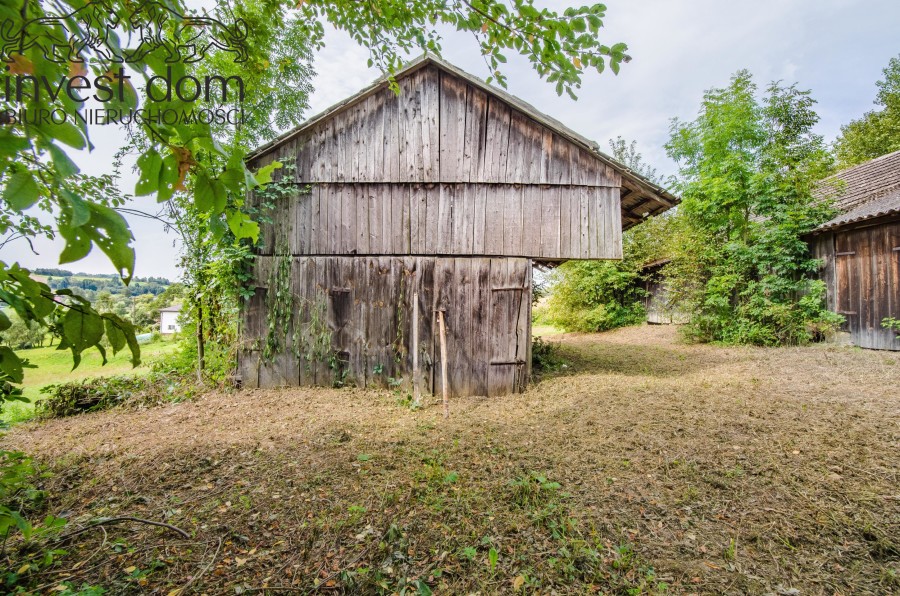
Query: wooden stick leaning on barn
point(444, 388)
point(417, 393)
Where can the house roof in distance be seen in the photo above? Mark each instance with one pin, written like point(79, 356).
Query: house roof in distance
point(863, 192)
point(640, 197)
point(173, 308)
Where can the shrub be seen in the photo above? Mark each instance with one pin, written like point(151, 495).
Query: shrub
point(90, 395)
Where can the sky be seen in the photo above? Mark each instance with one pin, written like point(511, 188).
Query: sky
point(679, 49)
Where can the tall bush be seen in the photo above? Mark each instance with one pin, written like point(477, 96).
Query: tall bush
point(747, 168)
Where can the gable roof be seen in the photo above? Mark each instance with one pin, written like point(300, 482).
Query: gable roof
point(173, 308)
point(640, 197)
point(863, 192)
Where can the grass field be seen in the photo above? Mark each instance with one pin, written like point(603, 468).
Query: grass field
point(645, 466)
point(55, 366)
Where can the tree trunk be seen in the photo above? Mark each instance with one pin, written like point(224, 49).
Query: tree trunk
point(200, 346)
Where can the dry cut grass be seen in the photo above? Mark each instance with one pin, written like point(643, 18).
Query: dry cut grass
point(644, 466)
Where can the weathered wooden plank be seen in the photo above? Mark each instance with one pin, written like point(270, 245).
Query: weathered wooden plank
point(391, 146)
point(430, 154)
point(475, 136)
point(452, 127)
point(418, 213)
point(514, 228)
point(498, 125)
point(501, 371)
point(445, 223)
point(546, 156)
point(515, 152)
point(551, 196)
point(349, 240)
point(410, 141)
point(480, 227)
point(495, 205)
point(425, 284)
point(444, 280)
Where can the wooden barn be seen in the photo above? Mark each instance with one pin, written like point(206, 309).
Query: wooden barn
point(410, 207)
point(860, 250)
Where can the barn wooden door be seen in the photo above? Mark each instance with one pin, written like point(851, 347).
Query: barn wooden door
point(509, 328)
point(867, 283)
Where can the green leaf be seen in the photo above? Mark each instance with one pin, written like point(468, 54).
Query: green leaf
point(21, 191)
point(108, 230)
point(67, 133)
point(5, 323)
point(64, 165)
point(264, 174)
point(149, 164)
point(493, 557)
point(113, 333)
point(168, 178)
point(242, 226)
point(82, 329)
point(11, 365)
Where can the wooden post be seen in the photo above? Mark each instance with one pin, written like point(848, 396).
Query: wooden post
point(417, 393)
point(444, 388)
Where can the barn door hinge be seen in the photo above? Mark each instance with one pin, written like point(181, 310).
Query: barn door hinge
point(845, 254)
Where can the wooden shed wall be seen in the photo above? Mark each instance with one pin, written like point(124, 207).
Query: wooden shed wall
point(861, 268)
point(547, 222)
point(444, 168)
point(362, 308)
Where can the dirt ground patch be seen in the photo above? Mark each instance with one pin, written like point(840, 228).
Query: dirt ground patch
point(644, 465)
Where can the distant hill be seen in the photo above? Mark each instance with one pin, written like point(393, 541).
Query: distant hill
point(100, 282)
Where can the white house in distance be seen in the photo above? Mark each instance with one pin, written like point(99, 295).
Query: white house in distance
point(168, 319)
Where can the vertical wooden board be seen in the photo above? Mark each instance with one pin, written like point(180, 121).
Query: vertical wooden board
point(430, 112)
point(893, 245)
point(356, 357)
point(266, 231)
point(432, 194)
point(390, 147)
point(513, 220)
point(303, 156)
point(445, 223)
point(300, 332)
point(375, 162)
point(461, 220)
point(594, 223)
point(546, 157)
point(550, 221)
point(476, 135)
point(418, 210)
point(585, 221)
point(495, 205)
point(425, 284)
point(349, 240)
point(302, 229)
point(559, 166)
point(318, 228)
point(565, 228)
point(515, 153)
point(452, 126)
point(410, 128)
point(614, 216)
point(361, 198)
point(458, 320)
point(375, 200)
point(531, 216)
point(331, 194)
point(479, 218)
point(479, 326)
point(248, 369)
point(397, 233)
point(880, 295)
point(497, 146)
point(444, 272)
point(864, 268)
point(519, 276)
point(501, 372)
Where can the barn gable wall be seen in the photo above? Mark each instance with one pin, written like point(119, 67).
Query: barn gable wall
point(443, 168)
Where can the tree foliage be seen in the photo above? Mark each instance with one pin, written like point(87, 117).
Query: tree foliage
point(877, 132)
point(746, 174)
